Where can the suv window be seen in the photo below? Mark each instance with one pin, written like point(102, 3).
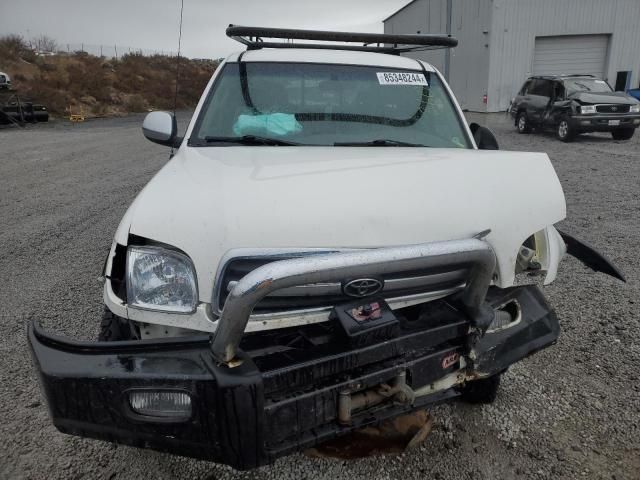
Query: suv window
point(541, 87)
point(558, 91)
point(525, 88)
point(325, 104)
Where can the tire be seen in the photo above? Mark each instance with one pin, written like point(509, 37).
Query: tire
point(564, 131)
point(481, 391)
point(522, 123)
point(113, 328)
point(623, 133)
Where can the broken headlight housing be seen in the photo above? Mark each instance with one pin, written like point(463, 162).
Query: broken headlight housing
point(161, 279)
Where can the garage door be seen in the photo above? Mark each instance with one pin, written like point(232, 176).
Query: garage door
point(570, 54)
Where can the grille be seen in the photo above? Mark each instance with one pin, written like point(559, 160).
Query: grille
point(312, 296)
point(612, 108)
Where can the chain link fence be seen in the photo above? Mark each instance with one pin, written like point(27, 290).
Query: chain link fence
point(110, 51)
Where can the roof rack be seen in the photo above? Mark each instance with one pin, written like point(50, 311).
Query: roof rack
point(563, 75)
point(253, 38)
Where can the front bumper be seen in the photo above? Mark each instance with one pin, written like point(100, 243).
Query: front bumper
point(600, 122)
point(277, 399)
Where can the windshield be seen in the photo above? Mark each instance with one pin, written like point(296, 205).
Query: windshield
point(586, 85)
point(321, 104)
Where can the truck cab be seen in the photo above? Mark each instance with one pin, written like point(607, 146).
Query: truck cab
point(327, 248)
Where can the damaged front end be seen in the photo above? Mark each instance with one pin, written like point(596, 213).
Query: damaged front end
point(245, 399)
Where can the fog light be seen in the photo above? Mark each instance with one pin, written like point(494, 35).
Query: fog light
point(161, 404)
point(585, 122)
point(637, 121)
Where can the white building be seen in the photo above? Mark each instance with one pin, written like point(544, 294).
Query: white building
point(502, 42)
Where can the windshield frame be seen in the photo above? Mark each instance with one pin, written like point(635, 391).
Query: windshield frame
point(194, 141)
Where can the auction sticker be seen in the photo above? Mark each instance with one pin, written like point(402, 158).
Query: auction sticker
point(401, 78)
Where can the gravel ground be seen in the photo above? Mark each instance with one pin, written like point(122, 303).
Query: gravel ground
point(571, 411)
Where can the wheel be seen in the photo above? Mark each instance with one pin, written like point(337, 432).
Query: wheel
point(522, 123)
point(623, 133)
point(565, 131)
point(484, 390)
point(114, 328)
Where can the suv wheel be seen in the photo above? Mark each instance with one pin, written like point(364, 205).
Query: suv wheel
point(484, 390)
point(623, 133)
point(565, 131)
point(522, 123)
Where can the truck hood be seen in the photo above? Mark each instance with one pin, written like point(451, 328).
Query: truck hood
point(604, 97)
point(207, 201)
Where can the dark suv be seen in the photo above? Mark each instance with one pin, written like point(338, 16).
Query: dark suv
point(574, 104)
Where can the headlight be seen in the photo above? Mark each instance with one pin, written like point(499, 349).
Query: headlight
point(634, 109)
point(160, 279)
point(588, 109)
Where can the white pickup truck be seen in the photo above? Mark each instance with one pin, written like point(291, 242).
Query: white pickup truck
point(331, 245)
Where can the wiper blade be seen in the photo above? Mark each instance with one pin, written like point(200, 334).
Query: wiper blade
point(378, 143)
point(586, 89)
point(250, 140)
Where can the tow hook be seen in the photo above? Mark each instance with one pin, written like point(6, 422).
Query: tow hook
point(398, 391)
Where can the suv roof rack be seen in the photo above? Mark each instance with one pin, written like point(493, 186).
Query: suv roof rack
point(563, 75)
point(253, 38)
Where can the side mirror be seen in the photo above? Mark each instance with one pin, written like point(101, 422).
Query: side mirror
point(162, 128)
point(485, 139)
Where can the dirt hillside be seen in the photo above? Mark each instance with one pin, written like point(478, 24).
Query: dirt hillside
point(102, 86)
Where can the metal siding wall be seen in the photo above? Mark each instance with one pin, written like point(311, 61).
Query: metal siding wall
point(469, 69)
point(624, 50)
point(470, 60)
point(516, 23)
point(424, 16)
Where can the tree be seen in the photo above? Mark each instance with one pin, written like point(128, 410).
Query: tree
point(13, 44)
point(13, 47)
point(45, 43)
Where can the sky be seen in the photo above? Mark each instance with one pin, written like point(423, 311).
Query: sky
point(153, 24)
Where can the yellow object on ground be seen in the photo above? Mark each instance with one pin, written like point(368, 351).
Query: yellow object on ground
point(76, 117)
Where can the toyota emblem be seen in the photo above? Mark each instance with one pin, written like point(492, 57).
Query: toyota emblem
point(362, 287)
point(614, 109)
